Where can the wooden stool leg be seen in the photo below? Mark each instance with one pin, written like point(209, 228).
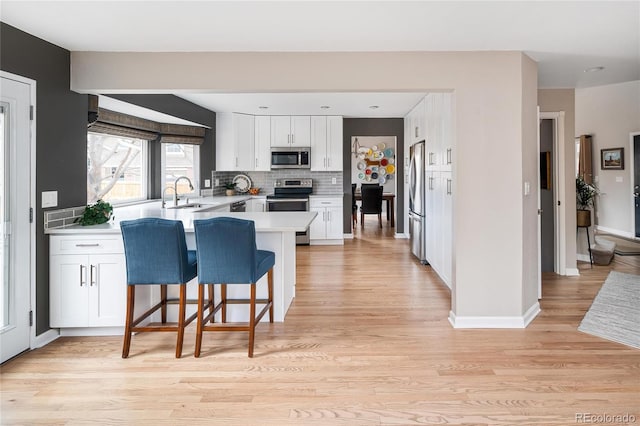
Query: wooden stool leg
point(270, 289)
point(252, 319)
point(223, 300)
point(200, 322)
point(182, 308)
point(131, 295)
point(163, 299)
point(362, 220)
point(211, 299)
point(380, 219)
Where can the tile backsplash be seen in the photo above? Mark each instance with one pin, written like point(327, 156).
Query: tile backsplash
point(62, 217)
point(322, 181)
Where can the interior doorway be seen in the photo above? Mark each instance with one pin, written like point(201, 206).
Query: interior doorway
point(635, 182)
point(553, 218)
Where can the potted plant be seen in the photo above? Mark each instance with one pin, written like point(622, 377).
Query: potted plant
point(95, 214)
point(231, 188)
point(585, 196)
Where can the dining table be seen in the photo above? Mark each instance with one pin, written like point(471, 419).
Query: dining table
point(389, 197)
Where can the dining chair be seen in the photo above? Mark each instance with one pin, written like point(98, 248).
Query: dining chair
point(371, 202)
point(156, 254)
point(227, 255)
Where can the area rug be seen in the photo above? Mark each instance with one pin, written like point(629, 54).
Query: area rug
point(615, 311)
point(624, 247)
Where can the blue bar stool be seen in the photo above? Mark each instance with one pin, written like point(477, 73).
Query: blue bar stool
point(227, 254)
point(156, 254)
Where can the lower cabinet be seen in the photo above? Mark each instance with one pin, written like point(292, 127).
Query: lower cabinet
point(88, 283)
point(257, 205)
point(88, 290)
point(327, 227)
point(439, 223)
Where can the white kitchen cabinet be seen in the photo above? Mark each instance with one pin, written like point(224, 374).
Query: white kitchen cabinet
point(87, 282)
point(326, 143)
point(262, 149)
point(439, 134)
point(235, 142)
point(327, 227)
point(257, 204)
point(291, 131)
point(439, 223)
point(417, 123)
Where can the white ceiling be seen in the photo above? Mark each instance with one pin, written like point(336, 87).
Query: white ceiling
point(565, 38)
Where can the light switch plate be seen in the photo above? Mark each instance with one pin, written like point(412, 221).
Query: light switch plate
point(49, 199)
point(207, 183)
point(527, 188)
point(333, 181)
point(217, 182)
point(619, 179)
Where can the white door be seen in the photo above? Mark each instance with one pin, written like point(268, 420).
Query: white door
point(15, 239)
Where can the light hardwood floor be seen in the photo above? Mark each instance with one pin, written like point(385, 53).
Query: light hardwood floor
point(366, 342)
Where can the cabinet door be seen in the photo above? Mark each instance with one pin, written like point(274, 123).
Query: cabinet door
point(244, 137)
point(447, 131)
point(301, 131)
point(334, 144)
point(318, 143)
point(431, 227)
point(317, 229)
point(280, 130)
point(225, 144)
point(447, 228)
point(262, 143)
point(68, 291)
point(107, 290)
point(334, 223)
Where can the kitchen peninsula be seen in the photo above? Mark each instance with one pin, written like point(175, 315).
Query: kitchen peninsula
point(88, 275)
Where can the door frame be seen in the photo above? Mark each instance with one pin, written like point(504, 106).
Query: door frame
point(632, 146)
point(32, 200)
point(559, 192)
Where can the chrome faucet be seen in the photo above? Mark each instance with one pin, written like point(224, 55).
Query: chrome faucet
point(175, 189)
point(164, 191)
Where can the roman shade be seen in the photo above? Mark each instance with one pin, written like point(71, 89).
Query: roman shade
point(109, 122)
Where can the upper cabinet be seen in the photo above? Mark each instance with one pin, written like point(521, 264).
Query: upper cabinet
point(291, 131)
point(417, 122)
point(262, 143)
point(326, 143)
point(439, 136)
point(235, 140)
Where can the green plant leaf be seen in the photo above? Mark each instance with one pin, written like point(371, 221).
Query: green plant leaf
point(95, 214)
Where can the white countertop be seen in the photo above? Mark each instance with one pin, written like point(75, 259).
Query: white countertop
point(264, 221)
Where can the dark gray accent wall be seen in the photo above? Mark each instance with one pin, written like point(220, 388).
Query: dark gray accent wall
point(181, 108)
point(61, 138)
point(372, 127)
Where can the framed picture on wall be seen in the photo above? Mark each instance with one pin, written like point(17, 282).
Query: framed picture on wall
point(612, 159)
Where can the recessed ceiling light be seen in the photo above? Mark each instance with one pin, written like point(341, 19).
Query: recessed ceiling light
point(263, 107)
point(374, 107)
point(324, 107)
point(594, 69)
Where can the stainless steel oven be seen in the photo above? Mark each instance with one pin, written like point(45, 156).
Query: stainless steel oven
point(291, 195)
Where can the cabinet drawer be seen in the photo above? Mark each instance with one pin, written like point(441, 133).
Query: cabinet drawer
point(90, 244)
point(325, 202)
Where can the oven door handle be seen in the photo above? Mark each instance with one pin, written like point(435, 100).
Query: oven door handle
point(288, 200)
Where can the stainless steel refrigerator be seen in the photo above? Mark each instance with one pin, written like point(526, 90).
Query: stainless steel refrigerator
point(417, 207)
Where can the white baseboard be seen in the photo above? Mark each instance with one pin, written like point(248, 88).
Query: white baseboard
point(45, 338)
point(339, 242)
point(617, 232)
point(495, 322)
point(92, 331)
point(348, 236)
point(572, 272)
point(401, 236)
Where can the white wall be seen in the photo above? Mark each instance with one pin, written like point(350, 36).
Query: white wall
point(494, 107)
point(610, 113)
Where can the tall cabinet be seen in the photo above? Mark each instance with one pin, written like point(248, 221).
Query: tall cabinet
point(326, 143)
point(439, 184)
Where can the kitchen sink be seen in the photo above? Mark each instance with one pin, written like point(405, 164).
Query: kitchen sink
point(186, 206)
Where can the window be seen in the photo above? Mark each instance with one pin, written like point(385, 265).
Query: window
point(181, 160)
point(116, 168)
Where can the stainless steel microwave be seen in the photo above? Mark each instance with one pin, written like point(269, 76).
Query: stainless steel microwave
point(290, 158)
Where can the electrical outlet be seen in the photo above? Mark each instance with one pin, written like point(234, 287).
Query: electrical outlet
point(217, 182)
point(333, 181)
point(207, 183)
